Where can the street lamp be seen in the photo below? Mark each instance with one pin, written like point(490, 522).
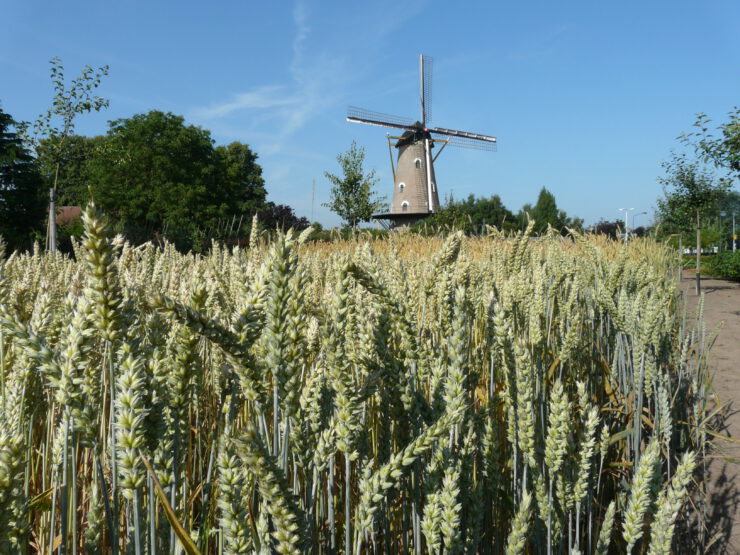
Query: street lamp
point(635, 216)
point(626, 223)
point(722, 215)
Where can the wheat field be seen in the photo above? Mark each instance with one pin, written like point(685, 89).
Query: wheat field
point(400, 395)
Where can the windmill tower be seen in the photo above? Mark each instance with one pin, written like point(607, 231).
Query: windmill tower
point(415, 191)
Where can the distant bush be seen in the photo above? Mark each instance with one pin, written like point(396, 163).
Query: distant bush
point(688, 261)
point(346, 234)
point(725, 265)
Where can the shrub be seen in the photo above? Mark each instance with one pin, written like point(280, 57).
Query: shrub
point(725, 265)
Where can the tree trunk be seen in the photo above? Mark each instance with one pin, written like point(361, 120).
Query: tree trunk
point(698, 254)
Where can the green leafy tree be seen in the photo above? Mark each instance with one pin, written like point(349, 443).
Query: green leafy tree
point(545, 212)
point(69, 167)
point(155, 175)
point(57, 124)
point(615, 228)
point(690, 192)
point(280, 216)
point(723, 150)
point(470, 215)
point(241, 179)
point(21, 198)
point(352, 195)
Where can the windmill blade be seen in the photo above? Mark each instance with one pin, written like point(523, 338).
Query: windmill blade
point(464, 139)
point(360, 115)
point(427, 64)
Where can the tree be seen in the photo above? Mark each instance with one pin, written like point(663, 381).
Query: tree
point(469, 215)
point(352, 195)
point(155, 175)
point(57, 124)
point(689, 192)
point(21, 200)
point(281, 216)
point(69, 167)
point(241, 178)
point(723, 151)
point(546, 212)
point(613, 229)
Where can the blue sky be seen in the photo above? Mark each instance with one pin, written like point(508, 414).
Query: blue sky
point(586, 98)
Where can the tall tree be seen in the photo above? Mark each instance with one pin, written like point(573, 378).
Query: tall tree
point(689, 192)
point(57, 124)
point(21, 200)
point(545, 212)
point(352, 195)
point(241, 179)
point(153, 173)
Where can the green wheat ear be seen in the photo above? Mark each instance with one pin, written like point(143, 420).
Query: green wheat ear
point(280, 503)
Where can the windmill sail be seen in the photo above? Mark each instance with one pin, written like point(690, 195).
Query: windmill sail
point(427, 63)
point(360, 115)
point(464, 138)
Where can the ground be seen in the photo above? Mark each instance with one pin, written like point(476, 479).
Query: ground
point(722, 316)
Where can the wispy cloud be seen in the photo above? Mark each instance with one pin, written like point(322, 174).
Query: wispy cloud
point(300, 19)
point(276, 112)
point(269, 96)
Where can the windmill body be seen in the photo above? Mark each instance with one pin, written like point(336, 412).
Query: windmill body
point(415, 192)
point(415, 182)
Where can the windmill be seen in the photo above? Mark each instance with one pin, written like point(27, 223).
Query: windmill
point(415, 192)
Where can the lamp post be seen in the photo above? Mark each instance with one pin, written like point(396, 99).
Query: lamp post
point(722, 215)
point(635, 216)
point(734, 236)
point(626, 223)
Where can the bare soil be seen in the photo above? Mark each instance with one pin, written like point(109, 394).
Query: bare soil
point(722, 315)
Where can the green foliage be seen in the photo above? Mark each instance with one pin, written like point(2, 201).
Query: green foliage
point(242, 176)
point(21, 188)
point(56, 126)
point(690, 194)
point(352, 195)
point(155, 175)
point(280, 216)
point(469, 215)
point(725, 265)
point(724, 150)
point(615, 229)
point(58, 122)
point(473, 214)
point(69, 166)
point(545, 213)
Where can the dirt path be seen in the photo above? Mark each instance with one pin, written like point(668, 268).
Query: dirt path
point(722, 308)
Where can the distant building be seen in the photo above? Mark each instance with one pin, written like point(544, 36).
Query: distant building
point(68, 214)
